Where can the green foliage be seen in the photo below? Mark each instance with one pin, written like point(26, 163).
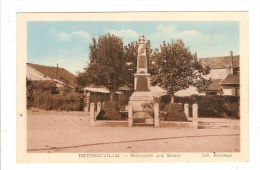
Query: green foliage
point(149, 108)
point(106, 62)
point(99, 97)
point(113, 105)
point(175, 68)
point(45, 95)
point(109, 112)
point(130, 56)
point(210, 106)
point(111, 63)
point(174, 112)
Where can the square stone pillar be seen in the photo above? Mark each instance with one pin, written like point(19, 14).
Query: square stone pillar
point(156, 115)
point(86, 109)
point(195, 115)
point(130, 115)
point(186, 110)
point(92, 114)
point(98, 109)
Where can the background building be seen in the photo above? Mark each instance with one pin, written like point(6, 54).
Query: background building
point(224, 74)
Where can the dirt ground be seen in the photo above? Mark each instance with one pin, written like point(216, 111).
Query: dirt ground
point(69, 132)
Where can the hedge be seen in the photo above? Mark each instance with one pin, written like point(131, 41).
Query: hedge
point(99, 97)
point(109, 112)
point(45, 95)
point(174, 112)
point(210, 106)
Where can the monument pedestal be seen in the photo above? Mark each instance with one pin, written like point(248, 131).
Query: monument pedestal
point(142, 93)
point(140, 97)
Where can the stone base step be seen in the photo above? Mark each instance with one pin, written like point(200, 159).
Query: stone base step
point(142, 124)
point(138, 121)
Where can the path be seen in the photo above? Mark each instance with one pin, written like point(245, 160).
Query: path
point(69, 132)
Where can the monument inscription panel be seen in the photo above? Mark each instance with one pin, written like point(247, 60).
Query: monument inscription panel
point(142, 61)
point(142, 83)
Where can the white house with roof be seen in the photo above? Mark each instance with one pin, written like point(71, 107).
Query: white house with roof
point(224, 74)
point(35, 75)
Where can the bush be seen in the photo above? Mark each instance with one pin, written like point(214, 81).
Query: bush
point(99, 97)
point(45, 95)
point(148, 107)
point(113, 105)
point(174, 112)
point(109, 112)
point(213, 106)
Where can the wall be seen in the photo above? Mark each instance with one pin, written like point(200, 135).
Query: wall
point(231, 90)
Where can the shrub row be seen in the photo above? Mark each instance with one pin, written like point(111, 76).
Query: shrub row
point(45, 95)
point(174, 112)
point(210, 106)
point(109, 112)
point(122, 99)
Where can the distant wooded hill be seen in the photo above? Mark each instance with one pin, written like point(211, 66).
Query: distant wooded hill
point(62, 75)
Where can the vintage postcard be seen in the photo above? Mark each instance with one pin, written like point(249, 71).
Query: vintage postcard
point(132, 87)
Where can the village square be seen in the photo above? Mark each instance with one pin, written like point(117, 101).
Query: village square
point(135, 98)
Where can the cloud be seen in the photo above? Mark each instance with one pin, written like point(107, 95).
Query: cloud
point(189, 33)
point(169, 28)
point(164, 32)
point(81, 35)
point(73, 59)
point(200, 42)
point(124, 33)
point(167, 32)
point(64, 36)
point(128, 35)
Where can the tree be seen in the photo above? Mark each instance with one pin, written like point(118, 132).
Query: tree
point(106, 63)
point(175, 68)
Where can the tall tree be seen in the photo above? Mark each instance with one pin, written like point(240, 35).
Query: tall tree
point(175, 68)
point(106, 63)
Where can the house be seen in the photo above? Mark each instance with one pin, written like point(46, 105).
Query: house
point(33, 74)
point(64, 78)
point(231, 85)
point(213, 89)
point(224, 74)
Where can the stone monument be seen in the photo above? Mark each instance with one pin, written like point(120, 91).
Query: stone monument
point(142, 93)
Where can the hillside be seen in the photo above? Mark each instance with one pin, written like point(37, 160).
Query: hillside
point(63, 75)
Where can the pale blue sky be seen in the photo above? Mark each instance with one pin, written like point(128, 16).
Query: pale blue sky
point(67, 43)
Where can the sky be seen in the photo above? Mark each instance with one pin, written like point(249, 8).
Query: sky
point(67, 43)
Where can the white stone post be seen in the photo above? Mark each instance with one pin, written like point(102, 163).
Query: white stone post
point(135, 80)
point(186, 110)
point(98, 109)
point(92, 114)
point(130, 115)
point(156, 115)
point(195, 115)
point(172, 99)
point(87, 102)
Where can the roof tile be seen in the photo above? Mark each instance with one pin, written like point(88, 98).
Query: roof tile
point(231, 79)
point(220, 62)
